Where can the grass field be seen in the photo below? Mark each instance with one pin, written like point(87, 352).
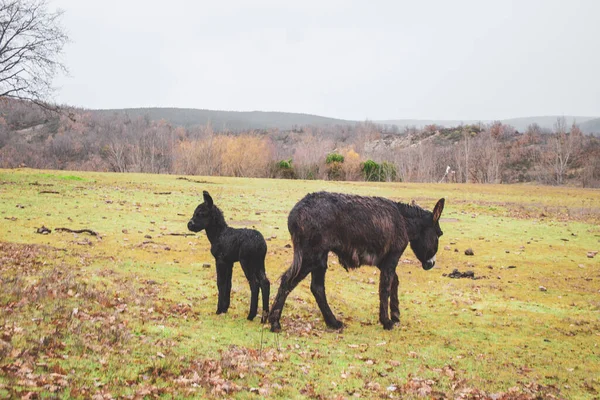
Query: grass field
point(130, 313)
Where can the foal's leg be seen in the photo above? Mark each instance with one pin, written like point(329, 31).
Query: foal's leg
point(228, 287)
point(265, 288)
point(394, 306)
point(224, 270)
point(249, 269)
point(289, 280)
point(386, 279)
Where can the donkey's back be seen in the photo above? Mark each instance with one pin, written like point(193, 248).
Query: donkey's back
point(359, 230)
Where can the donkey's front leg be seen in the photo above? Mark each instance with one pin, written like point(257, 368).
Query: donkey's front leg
point(224, 271)
point(385, 285)
point(386, 281)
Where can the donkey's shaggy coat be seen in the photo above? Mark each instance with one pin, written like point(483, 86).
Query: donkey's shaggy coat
point(359, 230)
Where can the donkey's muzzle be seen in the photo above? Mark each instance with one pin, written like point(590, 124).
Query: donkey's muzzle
point(427, 265)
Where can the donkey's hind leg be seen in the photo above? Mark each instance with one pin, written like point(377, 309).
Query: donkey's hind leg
point(289, 280)
point(317, 287)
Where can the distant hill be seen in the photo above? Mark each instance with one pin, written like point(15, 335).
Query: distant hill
point(228, 120)
point(547, 122)
point(247, 120)
point(591, 126)
point(519, 124)
point(420, 123)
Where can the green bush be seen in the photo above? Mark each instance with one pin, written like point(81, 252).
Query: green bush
point(388, 172)
point(334, 158)
point(374, 172)
point(335, 168)
point(370, 170)
point(285, 169)
point(335, 171)
point(285, 164)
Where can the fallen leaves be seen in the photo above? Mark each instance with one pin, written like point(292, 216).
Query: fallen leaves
point(22, 373)
point(5, 348)
point(216, 376)
point(419, 387)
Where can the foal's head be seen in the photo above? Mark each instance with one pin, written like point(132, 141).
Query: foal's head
point(203, 215)
point(425, 246)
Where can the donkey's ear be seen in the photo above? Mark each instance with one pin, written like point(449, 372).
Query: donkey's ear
point(207, 199)
point(437, 210)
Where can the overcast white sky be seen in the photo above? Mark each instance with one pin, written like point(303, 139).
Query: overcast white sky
point(345, 59)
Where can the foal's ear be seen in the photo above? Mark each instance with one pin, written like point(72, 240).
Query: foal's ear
point(437, 210)
point(207, 199)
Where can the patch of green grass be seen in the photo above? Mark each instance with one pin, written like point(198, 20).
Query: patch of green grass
point(51, 176)
point(132, 312)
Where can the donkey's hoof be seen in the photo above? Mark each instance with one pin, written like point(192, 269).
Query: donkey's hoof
point(335, 324)
point(388, 325)
point(221, 312)
point(395, 319)
point(275, 327)
point(250, 317)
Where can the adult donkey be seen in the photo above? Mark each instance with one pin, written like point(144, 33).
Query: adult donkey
point(360, 231)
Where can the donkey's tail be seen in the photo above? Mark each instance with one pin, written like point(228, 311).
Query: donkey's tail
point(297, 261)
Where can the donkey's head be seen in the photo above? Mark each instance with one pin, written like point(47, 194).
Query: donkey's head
point(425, 244)
point(203, 215)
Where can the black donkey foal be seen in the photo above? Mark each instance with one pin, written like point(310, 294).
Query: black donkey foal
point(229, 245)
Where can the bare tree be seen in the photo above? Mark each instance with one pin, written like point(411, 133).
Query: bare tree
point(117, 152)
point(563, 147)
point(4, 133)
point(425, 162)
point(485, 157)
point(309, 155)
point(467, 154)
point(208, 153)
point(152, 150)
point(590, 176)
point(403, 159)
point(31, 41)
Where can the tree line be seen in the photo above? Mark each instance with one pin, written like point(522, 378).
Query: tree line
point(483, 153)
